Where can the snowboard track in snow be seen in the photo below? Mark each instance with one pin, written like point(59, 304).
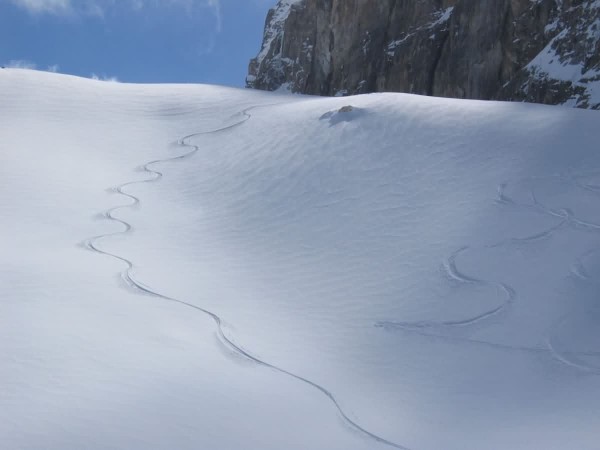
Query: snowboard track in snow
point(127, 275)
point(453, 272)
point(568, 220)
point(568, 358)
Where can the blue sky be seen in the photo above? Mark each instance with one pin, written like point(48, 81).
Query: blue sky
point(206, 41)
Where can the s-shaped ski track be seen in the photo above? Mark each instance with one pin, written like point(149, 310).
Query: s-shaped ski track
point(127, 275)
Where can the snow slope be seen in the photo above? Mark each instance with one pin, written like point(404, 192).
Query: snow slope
point(204, 267)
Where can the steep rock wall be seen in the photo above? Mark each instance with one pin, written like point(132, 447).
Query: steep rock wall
point(544, 51)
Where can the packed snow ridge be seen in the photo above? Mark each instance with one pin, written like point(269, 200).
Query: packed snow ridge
point(206, 267)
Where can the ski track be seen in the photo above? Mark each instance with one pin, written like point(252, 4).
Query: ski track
point(128, 277)
point(454, 273)
point(567, 357)
point(578, 269)
point(479, 342)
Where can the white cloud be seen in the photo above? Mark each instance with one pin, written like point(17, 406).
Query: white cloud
point(53, 68)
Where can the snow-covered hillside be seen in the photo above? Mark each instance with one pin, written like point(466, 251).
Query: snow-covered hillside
point(202, 267)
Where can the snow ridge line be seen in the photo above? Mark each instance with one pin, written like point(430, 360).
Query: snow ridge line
point(128, 277)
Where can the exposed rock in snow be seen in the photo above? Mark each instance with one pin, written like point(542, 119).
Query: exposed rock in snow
point(346, 113)
point(567, 70)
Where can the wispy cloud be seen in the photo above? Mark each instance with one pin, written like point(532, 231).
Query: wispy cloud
point(104, 78)
point(99, 7)
point(143, 14)
point(30, 65)
point(215, 5)
point(20, 64)
point(44, 6)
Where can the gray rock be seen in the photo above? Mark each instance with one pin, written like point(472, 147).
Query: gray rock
point(543, 51)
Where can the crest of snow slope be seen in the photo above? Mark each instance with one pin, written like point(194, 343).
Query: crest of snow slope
point(432, 263)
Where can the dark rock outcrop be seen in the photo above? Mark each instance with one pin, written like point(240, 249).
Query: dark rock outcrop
point(545, 51)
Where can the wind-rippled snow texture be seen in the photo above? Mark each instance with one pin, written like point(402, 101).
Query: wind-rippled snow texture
point(430, 263)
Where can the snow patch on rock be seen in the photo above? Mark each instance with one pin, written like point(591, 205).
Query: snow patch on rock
point(570, 59)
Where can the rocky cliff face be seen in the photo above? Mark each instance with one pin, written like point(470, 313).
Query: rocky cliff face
point(545, 51)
